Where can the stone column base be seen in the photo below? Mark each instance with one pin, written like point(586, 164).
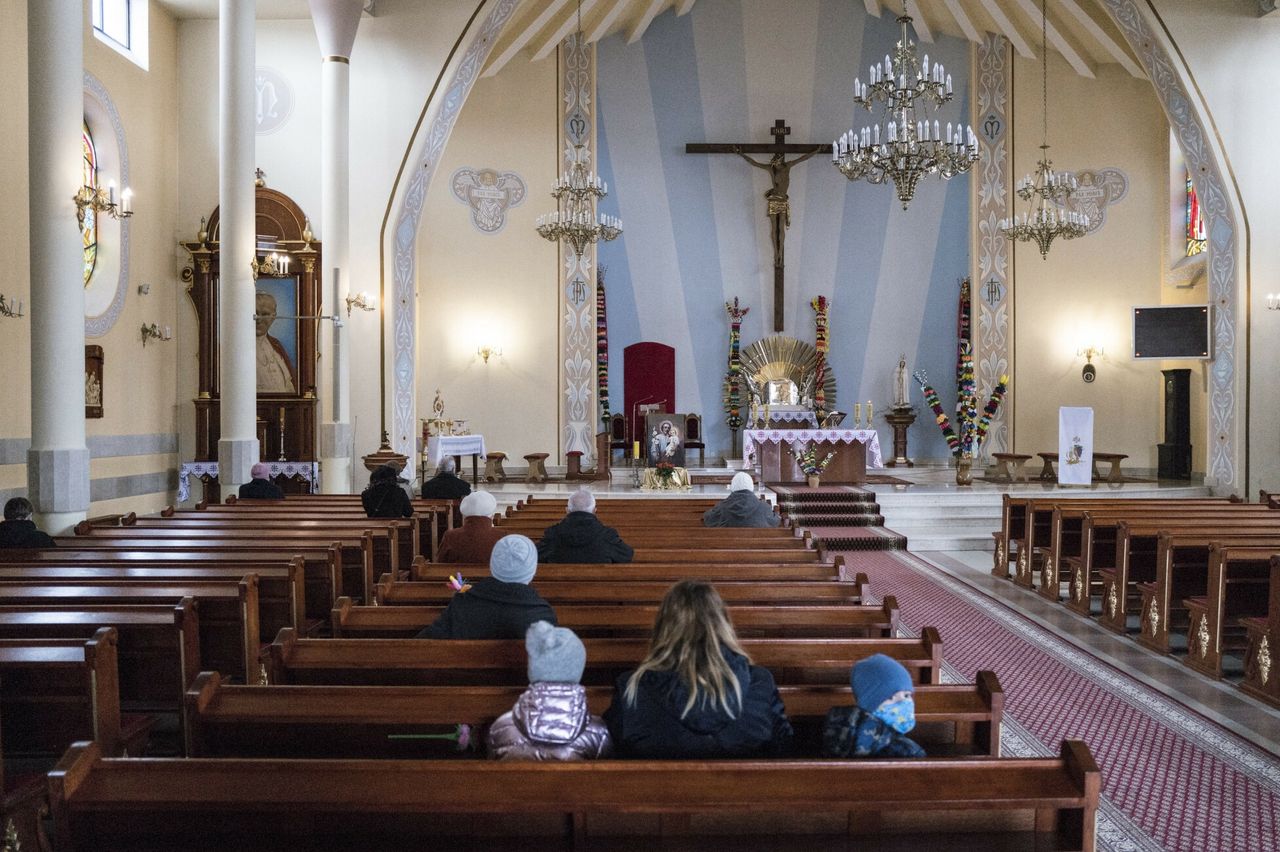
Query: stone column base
point(235, 457)
point(335, 458)
point(58, 487)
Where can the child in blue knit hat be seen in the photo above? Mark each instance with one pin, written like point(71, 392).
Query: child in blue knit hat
point(884, 712)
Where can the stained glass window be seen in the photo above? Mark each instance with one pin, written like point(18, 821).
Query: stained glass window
point(89, 228)
point(1196, 235)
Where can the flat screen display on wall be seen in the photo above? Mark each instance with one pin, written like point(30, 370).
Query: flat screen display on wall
point(1172, 331)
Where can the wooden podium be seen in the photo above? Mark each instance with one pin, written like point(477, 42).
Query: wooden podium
point(779, 467)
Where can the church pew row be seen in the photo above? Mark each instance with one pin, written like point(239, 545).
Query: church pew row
point(624, 620)
point(1263, 636)
point(228, 612)
point(459, 662)
point(260, 804)
point(670, 572)
point(355, 721)
point(355, 562)
point(280, 591)
point(644, 538)
point(56, 691)
point(389, 592)
point(1230, 584)
point(157, 651)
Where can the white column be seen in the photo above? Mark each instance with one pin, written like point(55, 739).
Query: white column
point(238, 445)
point(336, 22)
point(58, 461)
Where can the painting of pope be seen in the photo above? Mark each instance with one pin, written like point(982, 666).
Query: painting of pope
point(276, 372)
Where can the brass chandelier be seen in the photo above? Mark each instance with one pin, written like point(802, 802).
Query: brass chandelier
point(574, 221)
point(908, 146)
point(1048, 191)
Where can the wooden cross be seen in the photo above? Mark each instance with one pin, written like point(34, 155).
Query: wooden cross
point(778, 208)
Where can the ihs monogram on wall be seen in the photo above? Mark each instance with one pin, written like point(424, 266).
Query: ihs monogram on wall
point(489, 193)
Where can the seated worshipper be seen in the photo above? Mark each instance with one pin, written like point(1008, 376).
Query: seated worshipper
point(696, 694)
point(446, 484)
point(260, 487)
point(18, 531)
point(550, 720)
point(500, 606)
point(741, 508)
point(580, 537)
point(383, 497)
point(474, 540)
point(884, 712)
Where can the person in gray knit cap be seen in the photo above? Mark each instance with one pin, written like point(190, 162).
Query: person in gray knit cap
point(500, 606)
point(550, 720)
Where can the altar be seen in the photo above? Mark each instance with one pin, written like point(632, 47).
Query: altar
point(770, 451)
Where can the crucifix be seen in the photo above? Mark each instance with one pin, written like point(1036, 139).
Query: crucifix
point(778, 208)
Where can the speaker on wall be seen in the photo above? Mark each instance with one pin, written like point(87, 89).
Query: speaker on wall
point(1174, 454)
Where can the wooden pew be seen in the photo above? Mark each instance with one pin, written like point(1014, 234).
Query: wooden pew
point(620, 591)
point(56, 691)
point(354, 721)
point(255, 804)
point(24, 802)
point(158, 648)
point(228, 610)
point(669, 572)
point(280, 590)
point(1261, 679)
point(458, 662)
point(424, 518)
point(621, 620)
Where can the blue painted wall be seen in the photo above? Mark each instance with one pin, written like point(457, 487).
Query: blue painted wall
point(695, 230)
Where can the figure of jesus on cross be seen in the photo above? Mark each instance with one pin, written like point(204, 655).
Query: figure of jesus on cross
point(777, 199)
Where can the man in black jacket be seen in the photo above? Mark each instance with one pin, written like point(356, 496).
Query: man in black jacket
point(18, 531)
point(580, 537)
point(500, 606)
point(446, 484)
point(260, 487)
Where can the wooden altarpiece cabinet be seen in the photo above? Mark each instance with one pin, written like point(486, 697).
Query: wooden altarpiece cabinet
point(286, 318)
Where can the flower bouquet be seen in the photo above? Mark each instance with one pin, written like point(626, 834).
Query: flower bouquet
point(666, 472)
point(810, 464)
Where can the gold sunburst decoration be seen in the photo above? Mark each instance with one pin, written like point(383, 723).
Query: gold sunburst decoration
point(780, 357)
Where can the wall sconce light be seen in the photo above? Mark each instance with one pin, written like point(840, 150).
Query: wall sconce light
point(10, 308)
point(1090, 372)
point(485, 352)
point(361, 300)
point(1273, 302)
point(274, 265)
point(103, 200)
point(155, 332)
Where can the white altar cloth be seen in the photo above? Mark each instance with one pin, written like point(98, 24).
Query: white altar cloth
point(439, 446)
point(307, 471)
point(870, 437)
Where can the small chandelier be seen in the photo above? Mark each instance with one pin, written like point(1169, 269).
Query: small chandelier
point(1048, 190)
point(907, 147)
point(574, 221)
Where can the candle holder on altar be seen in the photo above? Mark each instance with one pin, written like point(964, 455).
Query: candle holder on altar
point(900, 417)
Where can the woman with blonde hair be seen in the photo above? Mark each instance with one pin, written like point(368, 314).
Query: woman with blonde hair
point(696, 694)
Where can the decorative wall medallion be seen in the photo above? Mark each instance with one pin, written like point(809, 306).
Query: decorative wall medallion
point(1202, 636)
point(489, 193)
point(1097, 190)
point(1153, 616)
point(1264, 661)
point(272, 100)
point(1111, 603)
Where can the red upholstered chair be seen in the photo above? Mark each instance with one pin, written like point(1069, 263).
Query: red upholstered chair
point(619, 439)
point(693, 437)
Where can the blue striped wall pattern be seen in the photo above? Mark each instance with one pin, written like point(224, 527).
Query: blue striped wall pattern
point(695, 230)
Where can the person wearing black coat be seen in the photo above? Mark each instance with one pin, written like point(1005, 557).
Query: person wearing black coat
point(741, 508)
point(260, 487)
point(500, 606)
point(580, 537)
point(18, 531)
point(383, 497)
point(446, 484)
point(660, 711)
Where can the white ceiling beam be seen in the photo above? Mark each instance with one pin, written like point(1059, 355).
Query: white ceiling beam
point(651, 10)
point(1008, 29)
point(873, 7)
point(568, 25)
point(1069, 52)
point(1099, 35)
point(607, 20)
point(526, 35)
point(918, 21)
point(684, 7)
point(962, 18)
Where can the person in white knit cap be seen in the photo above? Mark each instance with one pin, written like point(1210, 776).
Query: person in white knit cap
point(474, 540)
point(500, 606)
point(550, 720)
point(741, 508)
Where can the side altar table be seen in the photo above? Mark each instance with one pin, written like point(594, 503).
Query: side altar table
point(770, 449)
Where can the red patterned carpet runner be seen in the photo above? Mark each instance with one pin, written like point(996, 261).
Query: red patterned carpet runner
point(843, 517)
